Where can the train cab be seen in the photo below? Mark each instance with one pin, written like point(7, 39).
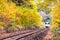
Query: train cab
point(47, 24)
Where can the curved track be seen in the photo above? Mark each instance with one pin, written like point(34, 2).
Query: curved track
point(26, 34)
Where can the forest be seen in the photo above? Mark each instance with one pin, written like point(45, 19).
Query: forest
point(24, 14)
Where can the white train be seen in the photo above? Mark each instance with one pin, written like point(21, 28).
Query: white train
point(47, 24)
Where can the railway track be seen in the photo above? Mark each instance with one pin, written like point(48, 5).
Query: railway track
point(29, 34)
point(25, 35)
point(15, 35)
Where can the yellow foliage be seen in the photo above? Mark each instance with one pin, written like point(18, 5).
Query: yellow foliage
point(54, 25)
point(56, 16)
point(34, 17)
point(1, 23)
point(34, 5)
point(56, 13)
point(14, 16)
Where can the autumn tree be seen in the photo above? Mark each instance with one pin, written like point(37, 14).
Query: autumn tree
point(13, 17)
